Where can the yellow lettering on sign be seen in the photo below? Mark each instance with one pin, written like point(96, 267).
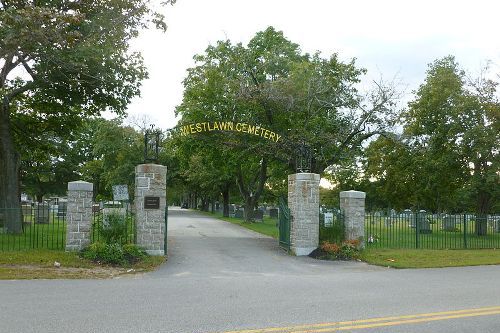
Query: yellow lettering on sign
point(229, 126)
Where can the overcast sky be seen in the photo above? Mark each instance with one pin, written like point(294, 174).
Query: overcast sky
point(389, 38)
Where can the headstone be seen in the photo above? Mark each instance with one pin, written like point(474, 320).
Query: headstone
point(239, 213)
point(496, 222)
point(41, 211)
point(27, 211)
point(273, 213)
point(258, 215)
point(424, 225)
point(231, 210)
point(449, 223)
point(62, 208)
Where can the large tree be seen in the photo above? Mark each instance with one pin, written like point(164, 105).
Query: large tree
point(308, 100)
point(61, 61)
point(447, 157)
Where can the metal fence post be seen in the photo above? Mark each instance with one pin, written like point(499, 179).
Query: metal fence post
point(465, 231)
point(416, 231)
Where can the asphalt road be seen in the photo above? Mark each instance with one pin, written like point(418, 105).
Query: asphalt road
point(221, 277)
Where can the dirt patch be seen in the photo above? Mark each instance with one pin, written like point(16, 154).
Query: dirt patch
point(16, 272)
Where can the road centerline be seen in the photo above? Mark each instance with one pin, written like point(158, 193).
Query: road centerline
point(376, 322)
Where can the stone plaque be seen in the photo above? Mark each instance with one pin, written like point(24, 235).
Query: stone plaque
point(328, 220)
point(120, 193)
point(151, 202)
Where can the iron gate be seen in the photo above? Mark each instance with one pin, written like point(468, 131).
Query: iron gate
point(284, 225)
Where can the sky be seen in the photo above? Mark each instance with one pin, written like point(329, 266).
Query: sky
point(393, 40)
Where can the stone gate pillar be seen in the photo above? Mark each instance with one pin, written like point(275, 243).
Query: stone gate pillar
point(150, 205)
point(79, 215)
point(352, 204)
point(303, 201)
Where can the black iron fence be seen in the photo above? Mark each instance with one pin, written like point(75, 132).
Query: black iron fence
point(120, 218)
point(331, 225)
point(33, 226)
point(422, 230)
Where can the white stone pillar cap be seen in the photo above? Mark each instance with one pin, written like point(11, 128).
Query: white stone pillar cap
point(353, 194)
point(80, 186)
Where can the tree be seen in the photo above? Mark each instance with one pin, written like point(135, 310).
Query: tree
point(62, 61)
point(447, 156)
point(309, 101)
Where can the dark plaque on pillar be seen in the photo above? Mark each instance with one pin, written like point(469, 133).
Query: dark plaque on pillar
point(151, 202)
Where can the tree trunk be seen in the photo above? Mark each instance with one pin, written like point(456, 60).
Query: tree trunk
point(249, 208)
point(251, 192)
point(481, 226)
point(9, 175)
point(225, 200)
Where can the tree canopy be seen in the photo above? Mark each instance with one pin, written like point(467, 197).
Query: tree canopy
point(60, 62)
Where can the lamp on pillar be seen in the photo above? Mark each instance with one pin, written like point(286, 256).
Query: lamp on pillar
point(304, 158)
point(151, 145)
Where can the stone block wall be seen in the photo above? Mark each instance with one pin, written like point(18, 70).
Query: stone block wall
point(303, 201)
point(352, 204)
point(150, 181)
point(79, 215)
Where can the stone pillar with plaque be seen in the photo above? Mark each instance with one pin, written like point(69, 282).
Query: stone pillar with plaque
point(150, 206)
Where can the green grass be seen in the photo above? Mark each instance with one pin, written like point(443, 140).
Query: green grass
point(267, 227)
point(412, 258)
point(39, 264)
point(34, 235)
point(399, 234)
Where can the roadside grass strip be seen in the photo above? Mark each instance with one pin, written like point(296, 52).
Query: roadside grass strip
point(378, 322)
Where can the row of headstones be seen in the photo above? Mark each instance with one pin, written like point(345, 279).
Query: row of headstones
point(423, 220)
point(41, 212)
point(239, 212)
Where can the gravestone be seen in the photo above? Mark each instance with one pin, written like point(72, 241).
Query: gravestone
point(449, 223)
point(62, 208)
point(27, 211)
point(231, 210)
point(258, 215)
point(41, 211)
point(424, 225)
point(273, 213)
point(239, 213)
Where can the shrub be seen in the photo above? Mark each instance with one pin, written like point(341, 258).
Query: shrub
point(114, 253)
point(113, 229)
point(347, 250)
point(133, 254)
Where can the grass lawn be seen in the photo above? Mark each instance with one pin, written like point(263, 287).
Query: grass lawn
point(39, 264)
point(412, 258)
point(267, 227)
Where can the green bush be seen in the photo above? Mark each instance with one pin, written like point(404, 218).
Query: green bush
point(114, 253)
point(113, 229)
point(132, 253)
point(347, 250)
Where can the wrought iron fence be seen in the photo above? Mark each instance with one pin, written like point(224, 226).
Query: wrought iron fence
point(331, 225)
point(100, 220)
point(422, 230)
point(32, 227)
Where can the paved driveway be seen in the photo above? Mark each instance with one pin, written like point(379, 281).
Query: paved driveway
point(221, 277)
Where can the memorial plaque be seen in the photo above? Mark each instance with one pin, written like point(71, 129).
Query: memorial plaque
point(151, 202)
point(120, 193)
